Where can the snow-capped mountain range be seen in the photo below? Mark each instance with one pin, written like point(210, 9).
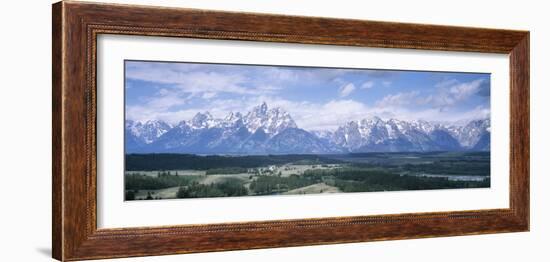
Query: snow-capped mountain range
point(273, 131)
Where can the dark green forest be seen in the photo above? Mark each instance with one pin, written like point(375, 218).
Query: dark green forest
point(149, 162)
point(262, 175)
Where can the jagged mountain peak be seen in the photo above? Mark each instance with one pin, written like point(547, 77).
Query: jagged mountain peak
point(183, 124)
point(199, 117)
point(371, 119)
point(259, 110)
point(266, 130)
point(482, 123)
point(232, 117)
point(147, 131)
point(263, 107)
point(352, 123)
point(469, 135)
point(155, 122)
point(271, 121)
point(375, 134)
point(202, 120)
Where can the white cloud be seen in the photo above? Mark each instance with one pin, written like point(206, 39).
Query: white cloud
point(207, 82)
point(464, 90)
point(399, 99)
point(311, 116)
point(189, 85)
point(346, 90)
point(152, 110)
point(279, 74)
point(209, 95)
point(451, 117)
point(446, 83)
point(452, 92)
point(192, 79)
point(367, 85)
point(336, 113)
point(449, 94)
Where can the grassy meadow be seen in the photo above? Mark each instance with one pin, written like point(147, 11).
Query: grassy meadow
point(193, 176)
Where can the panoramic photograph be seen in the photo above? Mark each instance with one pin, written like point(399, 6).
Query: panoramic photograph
point(201, 130)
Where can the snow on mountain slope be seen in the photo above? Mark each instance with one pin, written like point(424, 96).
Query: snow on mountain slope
point(266, 130)
point(471, 133)
point(375, 134)
point(147, 132)
point(271, 121)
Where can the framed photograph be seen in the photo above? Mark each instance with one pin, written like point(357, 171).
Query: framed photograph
point(182, 130)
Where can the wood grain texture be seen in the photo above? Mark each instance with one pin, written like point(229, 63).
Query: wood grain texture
point(76, 27)
point(519, 129)
point(57, 195)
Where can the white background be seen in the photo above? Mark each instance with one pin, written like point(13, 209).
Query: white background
point(113, 212)
point(25, 59)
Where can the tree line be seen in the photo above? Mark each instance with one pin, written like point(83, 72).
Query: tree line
point(150, 162)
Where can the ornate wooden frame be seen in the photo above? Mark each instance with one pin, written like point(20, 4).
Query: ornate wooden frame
point(76, 26)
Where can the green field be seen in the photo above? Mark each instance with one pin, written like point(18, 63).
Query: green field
point(168, 176)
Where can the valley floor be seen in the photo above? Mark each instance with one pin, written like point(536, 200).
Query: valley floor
point(294, 175)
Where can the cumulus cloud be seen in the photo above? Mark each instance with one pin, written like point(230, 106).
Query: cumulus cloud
point(367, 85)
point(346, 90)
point(452, 92)
point(311, 116)
point(484, 89)
point(399, 99)
point(154, 108)
point(242, 79)
point(177, 91)
point(209, 95)
point(446, 83)
point(198, 78)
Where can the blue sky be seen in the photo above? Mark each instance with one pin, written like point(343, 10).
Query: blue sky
point(317, 98)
